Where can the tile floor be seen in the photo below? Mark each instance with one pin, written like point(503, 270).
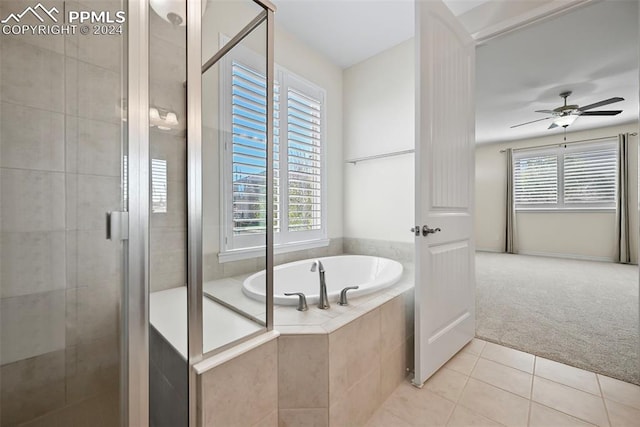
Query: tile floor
point(490, 385)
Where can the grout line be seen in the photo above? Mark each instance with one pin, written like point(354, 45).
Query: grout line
point(606, 409)
point(533, 378)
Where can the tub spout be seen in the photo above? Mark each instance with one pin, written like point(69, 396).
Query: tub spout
point(323, 302)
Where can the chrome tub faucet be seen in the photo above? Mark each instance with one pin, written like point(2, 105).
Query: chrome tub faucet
point(323, 301)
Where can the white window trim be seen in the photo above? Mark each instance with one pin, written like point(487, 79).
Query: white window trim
point(252, 246)
point(560, 206)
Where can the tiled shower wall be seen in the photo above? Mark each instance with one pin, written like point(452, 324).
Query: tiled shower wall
point(60, 159)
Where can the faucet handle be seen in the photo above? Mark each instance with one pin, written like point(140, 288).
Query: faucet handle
point(343, 295)
point(302, 300)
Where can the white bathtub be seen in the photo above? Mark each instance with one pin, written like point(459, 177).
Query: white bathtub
point(370, 273)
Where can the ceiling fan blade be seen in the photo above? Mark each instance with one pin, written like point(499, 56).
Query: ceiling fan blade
point(545, 111)
point(532, 121)
point(553, 125)
point(601, 113)
point(601, 103)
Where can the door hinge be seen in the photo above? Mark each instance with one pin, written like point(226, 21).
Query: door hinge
point(117, 225)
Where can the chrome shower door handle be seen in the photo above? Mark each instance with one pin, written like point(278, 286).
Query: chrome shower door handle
point(426, 230)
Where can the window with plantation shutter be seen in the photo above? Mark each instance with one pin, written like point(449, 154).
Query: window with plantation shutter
point(580, 176)
point(298, 157)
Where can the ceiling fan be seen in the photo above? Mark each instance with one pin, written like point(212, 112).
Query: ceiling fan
point(567, 114)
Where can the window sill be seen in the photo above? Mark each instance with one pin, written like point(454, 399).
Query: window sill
point(566, 210)
point(249, 253)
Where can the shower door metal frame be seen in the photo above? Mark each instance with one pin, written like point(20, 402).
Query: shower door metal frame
point(135, 304)
point(195, 294)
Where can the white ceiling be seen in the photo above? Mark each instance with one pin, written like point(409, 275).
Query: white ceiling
point(592, 51)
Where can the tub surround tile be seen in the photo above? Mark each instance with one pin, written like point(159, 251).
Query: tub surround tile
point(400, 251)
point(303, 372)
point(250, 377)
point(394, 369)
point(574, 402)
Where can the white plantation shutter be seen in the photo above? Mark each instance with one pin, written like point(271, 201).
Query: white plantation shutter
point(566, 177)
point(304, 134)
point(158, 186)
point(298, 157)
point(536, 180)
point(590, 176)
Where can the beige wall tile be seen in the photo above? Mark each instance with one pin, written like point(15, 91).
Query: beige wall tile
point(32, 325)
point(97, 262)
point(447, 383)
point(53, 43)
point(93, 147)
point(495, 404)
point(32, 200)
point(508, 356)
point(32, 138)
point(32, 76)
point(620, 391)
point(303, 371)
point(541, 416)
point(98, 311)
point(33, 262)
point(504, 377)
point(92, 92)
point(339, 347)
point(363, 355)
point(96, 196)
point(251, 377)
point(32, 387)
point(574, 402)
point(313, 417)
point(92, 368)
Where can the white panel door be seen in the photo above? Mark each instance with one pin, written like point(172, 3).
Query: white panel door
point(445, 138)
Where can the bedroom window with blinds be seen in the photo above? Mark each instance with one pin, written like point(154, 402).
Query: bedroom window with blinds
point(299, 191)
point(580, 176)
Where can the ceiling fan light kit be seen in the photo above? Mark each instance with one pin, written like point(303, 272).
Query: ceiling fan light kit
point(565, 115)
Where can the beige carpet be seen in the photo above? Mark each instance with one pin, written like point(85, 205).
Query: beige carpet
point(581, 313)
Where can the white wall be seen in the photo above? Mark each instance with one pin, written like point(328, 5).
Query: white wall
point(589, 234)
point(379, 118)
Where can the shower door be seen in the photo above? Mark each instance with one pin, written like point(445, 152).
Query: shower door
point(63, 157)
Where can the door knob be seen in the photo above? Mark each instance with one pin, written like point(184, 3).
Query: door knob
point(416, 230)
point(426, 230)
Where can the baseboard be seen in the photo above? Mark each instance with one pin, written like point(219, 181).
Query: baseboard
point(495, 251)
point(567, 256)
